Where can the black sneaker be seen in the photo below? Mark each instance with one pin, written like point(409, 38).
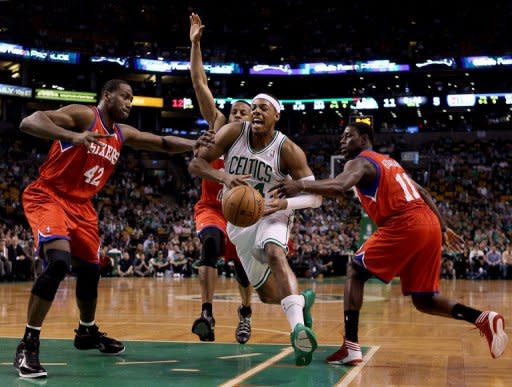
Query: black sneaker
point(243, 330)
point(204, 327)
point(92, 338)
point(26, 361)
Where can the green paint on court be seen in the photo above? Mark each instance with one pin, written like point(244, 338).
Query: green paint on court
point(169, 364)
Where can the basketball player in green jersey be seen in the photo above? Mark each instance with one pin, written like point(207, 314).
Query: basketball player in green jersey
point(257, 154)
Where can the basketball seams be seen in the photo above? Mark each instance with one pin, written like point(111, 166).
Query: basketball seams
point(239, 205)
point(259, 205)
point(254, 203)
point(240, 208)
point(225, 203)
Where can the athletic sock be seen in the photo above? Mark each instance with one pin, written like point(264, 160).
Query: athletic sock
point(463, 312)
point(31, 332)
point(245, 310)
point(83, 327)
point(207, 306)
point(351, 325)
point(292, 306)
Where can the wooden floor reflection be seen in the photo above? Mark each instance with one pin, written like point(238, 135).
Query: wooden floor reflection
point(414, 349)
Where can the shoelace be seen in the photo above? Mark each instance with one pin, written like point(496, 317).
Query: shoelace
point(245, 325)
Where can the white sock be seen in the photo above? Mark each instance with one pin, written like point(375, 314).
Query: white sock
point(32, 327)
point(87, 324)
point(292, 306)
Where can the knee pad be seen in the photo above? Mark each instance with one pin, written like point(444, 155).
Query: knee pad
point(87, 278)
point(240, 274)
point(58, 264)
point(212, 246)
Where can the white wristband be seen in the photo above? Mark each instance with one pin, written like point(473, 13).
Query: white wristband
point(304, 201)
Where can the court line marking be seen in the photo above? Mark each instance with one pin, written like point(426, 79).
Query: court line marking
point(260, 367)
point(46, 364)
point(240, 356)
point(185, 369)
point(146, 362)
point(348, 378)
point(333, 344)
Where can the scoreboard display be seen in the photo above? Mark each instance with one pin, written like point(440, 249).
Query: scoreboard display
point(375, 103)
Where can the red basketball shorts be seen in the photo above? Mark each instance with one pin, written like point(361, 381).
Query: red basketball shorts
point(52, 217)
point(209, 217)
point(408, 246)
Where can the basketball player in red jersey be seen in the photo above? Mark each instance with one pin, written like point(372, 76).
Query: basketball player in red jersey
point(408, 241)
point(86, 147)
point(210, 222)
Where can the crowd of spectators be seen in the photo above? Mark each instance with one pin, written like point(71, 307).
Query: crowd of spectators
point(147, 231)
point(472, 185)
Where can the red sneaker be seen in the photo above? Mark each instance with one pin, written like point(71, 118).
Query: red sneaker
point(349, 354)
point(492, 325)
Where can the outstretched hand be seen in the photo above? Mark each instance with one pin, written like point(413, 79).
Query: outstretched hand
point(453, 241)
point(87, 138)
point(196, 28)
point(235, 180)
point(275, 204)
point(287, 188)
point(207, 139)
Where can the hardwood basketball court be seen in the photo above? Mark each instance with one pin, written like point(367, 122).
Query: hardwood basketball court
point(402, 347)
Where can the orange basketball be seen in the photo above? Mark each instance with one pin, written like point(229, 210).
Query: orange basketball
point(242, 205)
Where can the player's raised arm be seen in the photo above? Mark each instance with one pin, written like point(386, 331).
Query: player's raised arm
point(170, 144)
point(204, 96)
point(69, 123)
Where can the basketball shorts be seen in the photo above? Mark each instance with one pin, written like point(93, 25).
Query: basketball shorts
point(52, 217)
point(250, 243)
point(209, 217)
point(408, 246)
